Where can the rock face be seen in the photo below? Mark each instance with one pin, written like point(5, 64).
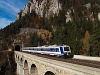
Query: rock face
point(44, 8)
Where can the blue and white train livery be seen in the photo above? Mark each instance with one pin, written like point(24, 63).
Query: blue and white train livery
point(57, 50)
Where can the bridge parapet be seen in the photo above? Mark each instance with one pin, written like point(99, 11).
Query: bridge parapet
point(34, 65)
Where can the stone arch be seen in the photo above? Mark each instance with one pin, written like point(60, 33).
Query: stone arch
point(50, 70)
point(17, 48)
point(26, 71)
point(21, 61)
point(18, 64)
point(49, 73)
point(15, 56)
point(21, 67)
point(18, 58)
point(34, 70)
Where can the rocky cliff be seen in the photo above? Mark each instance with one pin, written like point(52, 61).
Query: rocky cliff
point(48, 8)
point(44, 8)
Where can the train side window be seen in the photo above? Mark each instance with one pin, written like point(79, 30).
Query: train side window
point(57, 50)
point(66, 48)
point(41, 49)
point(36, 49)
point(47, 49)
point(54, 50)
point(51, 49)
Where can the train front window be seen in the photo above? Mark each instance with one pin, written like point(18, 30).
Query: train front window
point(66, 48)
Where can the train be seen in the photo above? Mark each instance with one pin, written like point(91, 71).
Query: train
point(54, 50)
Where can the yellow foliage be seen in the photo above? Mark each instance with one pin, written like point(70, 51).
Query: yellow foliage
point(45, 35)
point(86, 44)
point(52, 26)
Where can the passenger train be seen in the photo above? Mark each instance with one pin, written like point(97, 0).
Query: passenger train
point(56, 50)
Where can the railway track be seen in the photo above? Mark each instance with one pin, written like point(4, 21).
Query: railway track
point(89, 63)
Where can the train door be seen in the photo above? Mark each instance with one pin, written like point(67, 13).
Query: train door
point(61, 49)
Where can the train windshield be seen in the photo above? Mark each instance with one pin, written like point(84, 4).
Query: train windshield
point(66, 48)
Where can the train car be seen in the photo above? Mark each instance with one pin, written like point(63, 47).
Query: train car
point(56, 50)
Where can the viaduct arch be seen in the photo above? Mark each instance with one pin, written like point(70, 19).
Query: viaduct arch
point(34, 70)
point(49, 73)
point(25, 67)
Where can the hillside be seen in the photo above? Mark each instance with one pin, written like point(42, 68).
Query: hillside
point(7, 63)
point(72, 22)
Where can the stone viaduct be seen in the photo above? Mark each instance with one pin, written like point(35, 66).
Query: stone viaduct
point(28, 64)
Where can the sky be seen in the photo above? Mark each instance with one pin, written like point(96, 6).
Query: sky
point(9, 10)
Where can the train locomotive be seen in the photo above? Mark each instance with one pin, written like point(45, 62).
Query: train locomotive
point(55, 50)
